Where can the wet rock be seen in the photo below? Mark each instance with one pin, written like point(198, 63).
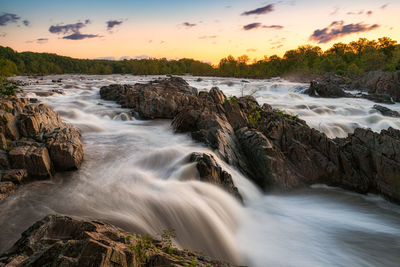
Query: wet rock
point(35, 160)
point(65, 148)
point(379, 98)
point(157, 99)
point(327, 88)
point(64, 241)
point(210, 171)
point(386, 111)
point(37, 140)
point(17, 176)
point(379, 83)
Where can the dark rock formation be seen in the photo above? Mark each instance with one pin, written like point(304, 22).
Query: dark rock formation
point(35, 142)
point(386, 111)
point(278, 150)
point(63, 241)
point(158, 99)
point(382, 87)
point(210, 171)
point(327, 88)
point(380, 83)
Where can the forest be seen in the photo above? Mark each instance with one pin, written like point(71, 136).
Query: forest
point(353, 58)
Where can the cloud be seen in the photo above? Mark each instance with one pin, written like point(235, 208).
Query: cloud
point(257, 25)
point(3, 34)
point(188, 24)
point(337, 29)
point(259, 11)
point(251, 50)
point(26, 22)
point(369, 12)
point(80, 36)
point(64, 29)
point(73, 30)
point(8, 18)
point(208, 37)
point(355, 13)
point(42, 40)
point(384, 6)
point(112, 23)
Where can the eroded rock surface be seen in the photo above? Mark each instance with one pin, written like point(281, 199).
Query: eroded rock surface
point(35, 142)
point(64, 241)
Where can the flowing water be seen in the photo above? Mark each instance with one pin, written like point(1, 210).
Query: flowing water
point(136, 175)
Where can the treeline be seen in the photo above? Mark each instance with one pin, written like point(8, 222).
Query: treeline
point(349, 59)
point(12, 62)
point(353, 58)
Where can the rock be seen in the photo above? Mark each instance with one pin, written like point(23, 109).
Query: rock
point(269, 166)
point(35, 160)
point(326, 88)
point(17, 176)
point(6, 188)
point(385, 99)
point(157, 99)
point(379, 83)
point(4, 163)
point(64, 241)
point(210, 171)
point(65, 148)
point(38, 141)
point(386, 111)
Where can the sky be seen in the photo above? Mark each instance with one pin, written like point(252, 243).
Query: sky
point(205, 30)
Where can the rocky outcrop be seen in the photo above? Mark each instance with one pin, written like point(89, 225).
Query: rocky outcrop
point(157, 99)
point(64, 241)
point(380, 83)
point(332, 88)
point(210, 171)
point(278, 150)
point(35, 142)
point(386, 111)
point(381, 87)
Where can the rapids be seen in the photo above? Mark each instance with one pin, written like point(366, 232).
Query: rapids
point(135, 175)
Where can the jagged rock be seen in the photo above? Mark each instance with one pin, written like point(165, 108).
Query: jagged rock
point(35, 159)
point(17, 176)
point(65, 148)
point(386, 111)
point(379, 83)
point(327, 88)
point(38, 141)
point(157, 99)
point(210, 171)
point(63, 241)
point(269, 166)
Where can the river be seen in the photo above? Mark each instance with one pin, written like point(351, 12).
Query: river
point(135, 175)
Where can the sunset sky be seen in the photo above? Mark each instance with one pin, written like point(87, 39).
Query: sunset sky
point(206, 30)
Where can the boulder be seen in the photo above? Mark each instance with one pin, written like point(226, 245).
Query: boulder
point(386, 111)
point(379, 83)
point(157, 99)
point(327, 88)
point(210, 171)
point(36, 142)
point(64, 241)
point(35, 159)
